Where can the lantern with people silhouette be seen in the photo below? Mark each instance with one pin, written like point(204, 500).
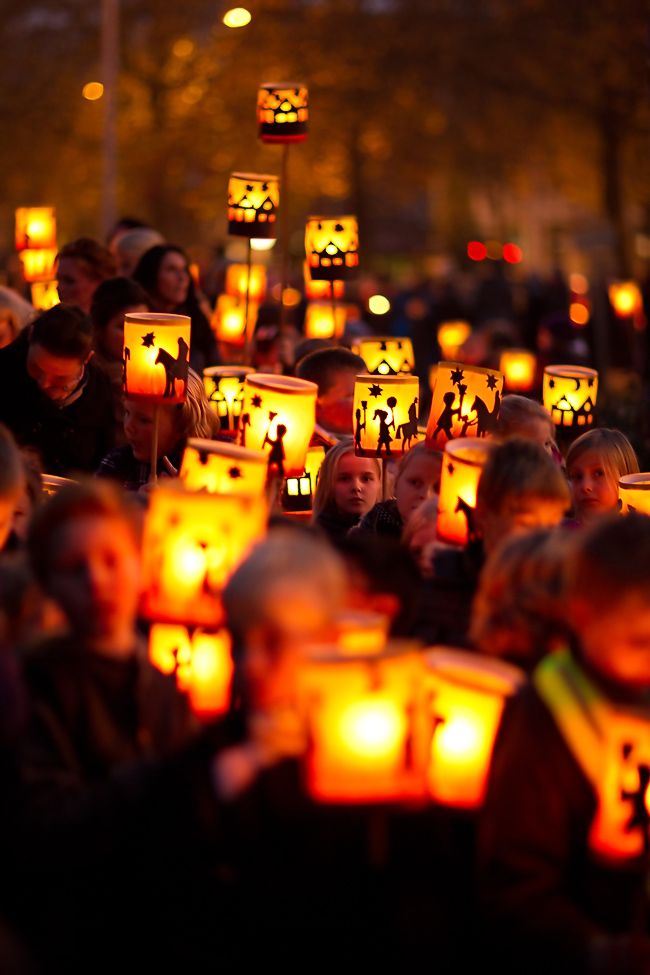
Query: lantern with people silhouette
point(385, 415)
point(332, 247)
point(570, 394)
point(278, 418)
point(282, 112)
point(465, 403)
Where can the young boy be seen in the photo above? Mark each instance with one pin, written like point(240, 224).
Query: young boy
point(565, 836)
point(334, 371)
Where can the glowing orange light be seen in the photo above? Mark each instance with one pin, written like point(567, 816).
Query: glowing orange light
point(462, 465)
point(282, 112)
point(35, 228)
point(322, 321)
point(451, 335)
point(518, 367)
point(228, 319)
point(386, 355)
point(465, 403)
point(625, 298)
point(476, 250)
point(224, 386)
point(385, 415)
point(92, 91)
point(253, 201)
point(578, 313)
point(237, 276)
point(570, 394)
point(202, 663)
point(222, 468)
point(321, 290)
point(237, 17)
point(45, 295)
point(512, 254)
point(634, 492)
point(278, 417)
point(332, 247)
point(38, 265)
point(578, 284)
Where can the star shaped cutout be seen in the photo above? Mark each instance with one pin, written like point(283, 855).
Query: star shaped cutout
point(551, 384)
point(590, 382)
point(148, 340)
point(256, 401)
point(450, 468)
point(457, 376)
point(375, 390)
point(491, 382)
point(234, 473)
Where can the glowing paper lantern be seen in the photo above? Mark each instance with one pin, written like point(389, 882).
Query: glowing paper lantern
point(278, 418)
point(385, 355)
point(465, 403)
point(461, 469)
point(324, 320)
point(202, 662)
point(156, 356)
point(332, 247)
point(224, 386)
point(451, 335)
point(229, 319)
point(35, 228)
point(385, 415)
point(625, 298)
point(222, 468)
point(570, 394)
point(237, 277)
point(45, 295)
point(634, 492)
point(282, 112)
point(361, 632)
point(321, 290)
point(518, 367)
point(192, 544)
point(253, 201)
point(38, 265)
point(469, 693)
point(298, 492)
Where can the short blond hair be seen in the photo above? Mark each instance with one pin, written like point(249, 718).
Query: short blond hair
point(614, 449)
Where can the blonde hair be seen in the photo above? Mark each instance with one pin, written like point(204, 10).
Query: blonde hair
point(516, 412)
point(614, 449)
point(419, 450)
point(324, 494)
point(197, 419)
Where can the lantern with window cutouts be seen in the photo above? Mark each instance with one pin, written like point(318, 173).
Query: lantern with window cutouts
point(386, 355)
point(224, 386)
point(570, 394)
point(253, 201)
point(332, 247)
point(282, 112)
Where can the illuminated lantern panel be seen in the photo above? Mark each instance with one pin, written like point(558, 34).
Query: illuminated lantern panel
point(332, 247)
point(324, 321)
point(465, 403)
point(282, 112)
point(321, 290)
point(385, 416)
point(45, 295)
point(461, 469)
point(156, 356)
point(298, 492)
point(253, 201)
point(192, 544)
point(278, 418)
point(570, 394)
point(468, 696)
point(625, 298)
point(228, 319)
point(38, 265)
point(35, 228)
point(237, 276)
point(202, 662)
point(634, 492)
point(361, 632)
point(385, 355)
point(222, 468)
point(451, 335)
point(224, 386)
point(518, 367)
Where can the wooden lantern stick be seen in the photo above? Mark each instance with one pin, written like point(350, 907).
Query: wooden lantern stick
point(333, 308)
point(384, 477)
point(247, 336)
point(284, 235)
point(153, 477)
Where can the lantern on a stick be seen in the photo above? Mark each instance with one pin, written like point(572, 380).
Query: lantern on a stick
point(332, 247)
point(570, 394)
point(465, 403)
point(282, 112)
point(324, 320)
point(385, 418)
point(232, 320)
point(35, 228)
point(239, 280)
point(321, 290)
point(451, 336)
point(462, 465)
point(156, 356)
point(38, 265)
point(222, 468)
point(298, 492)
point(224, 386)
point(201, 661)
point(518, 367)
point(385, 355)
point(278, 418)
point(253, 201)
point(634, 493)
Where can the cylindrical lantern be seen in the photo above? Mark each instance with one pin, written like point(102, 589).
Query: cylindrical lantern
point(45, 295)
point(634, 492)
point(324, 320)
point(570, 394)
point(156, 356)
point(321, 290)
point(192, 544)
point(385, 418)
point(461, 469)
point(224, 386)
point(386, 355)
point(222, 468)
point(38, 265)
point(202, 662)
point(229, 319)
point(468, 695)
point(332, 247)
point(237, 277)
point(282, 112)
point(278, 417)
point(451, 336)
point(253, 201)
point(368, 739)
point(35, 228)
point(518, 367)
point(465, 403)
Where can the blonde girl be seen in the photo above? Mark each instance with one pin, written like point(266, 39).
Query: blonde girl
point(594, 464)
point(347, 488)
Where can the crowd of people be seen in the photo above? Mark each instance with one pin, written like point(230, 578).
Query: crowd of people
point(135, 834)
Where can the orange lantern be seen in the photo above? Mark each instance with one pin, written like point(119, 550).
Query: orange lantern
point(192, 544)
point(570, 394)
point(361, 632)
point(634, 492)
point(461, 470)
point(465, 403)
point(298, 492)
point(38, 265)
point(156, 356)
point(625, 298)
point(202, 662)
point(518, 367)
point(229, 319)
point(45, 294)
point(368, 739)
point(237, 278)
point(332, 247)
point(321, 290)
point(468, 696)
point(282, 112)
point(253, 201)
point(385, 415)
point(35, 228)
point(451, 336)
point(224, 386)
point(324, 320)
point(385, 355)
point(222, 468)
point(278, 417)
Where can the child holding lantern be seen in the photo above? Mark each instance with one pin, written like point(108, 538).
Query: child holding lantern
point(417, 478)
point(347, 488)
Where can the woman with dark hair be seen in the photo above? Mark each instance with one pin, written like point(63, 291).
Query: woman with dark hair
point(163, 272)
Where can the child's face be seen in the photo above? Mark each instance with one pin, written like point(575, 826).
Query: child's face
point(334, 409)
point(416, 484)
point(138, 429)
point(356, 485)
point(518, 515)
point(594, 491)
point(616, 640)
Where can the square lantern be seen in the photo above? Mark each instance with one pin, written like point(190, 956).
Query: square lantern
point(201, 661)
point(45, 294)
point(468, 694)
point(222, 468)
point(35, 228)
point(38, 265)
point(298, 492)
point(451, 336)
point(156, 356)
point(386, 355)
point(323, 320)
point(385, 416)
point(224, 386)
point(570, 394)
point(321, 290)
point(519, 367)
point(192, 544)
point(228, 320)
point(332, 247)
point(238, 278)
point(253, 201)
point(278, 418)
point(462, 465)
point(634, 493)
point(465, 403)
point(282, 112)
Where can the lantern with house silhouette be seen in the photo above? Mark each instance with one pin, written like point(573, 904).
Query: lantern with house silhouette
point(332, 247)
point(282, 112)
point(385, 415)
point(462, 465)
point(253, 201)
point(386, 355)
point(222, 468)
point(278, 418)
point(156, 356)
point(465, 403)
point(570, 394)
point(224, 386)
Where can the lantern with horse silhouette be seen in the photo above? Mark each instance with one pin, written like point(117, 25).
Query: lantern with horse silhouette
point(461, 469)
point(385, 417)
point(570, 394)
point(222, 468)
point(224, 386)
point(332, 247)
point(465, 403)
point(386, 355)
point(253, 201)
point(278, 418)
point(282, 112)
point(156, 356)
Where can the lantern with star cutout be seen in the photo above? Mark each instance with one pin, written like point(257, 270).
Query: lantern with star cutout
point(278, 418)
point(156, 356)
point(35, 229)
point(385, 355)
point(282, 112)
point(222, 468)
point(570, 394)
point(224, 386)
point(332, 247)
point(253, 201)
point(385, 418)
point(465, 403)
point(201, 661)
point(462, 464)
